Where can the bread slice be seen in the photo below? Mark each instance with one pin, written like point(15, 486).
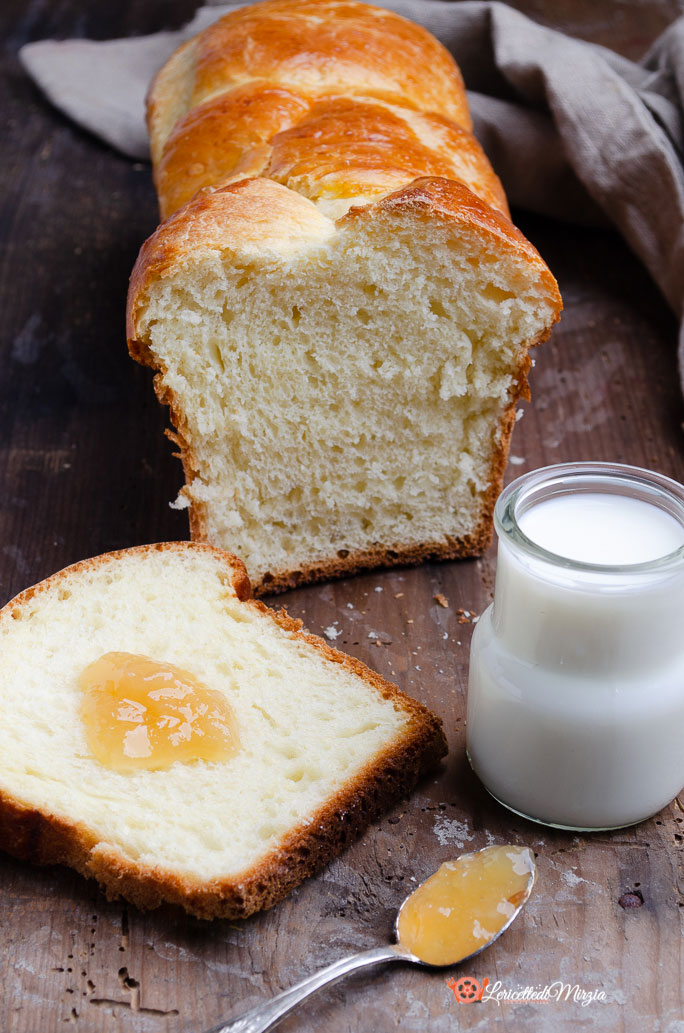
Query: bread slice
point(325, 743)
point(340, 310)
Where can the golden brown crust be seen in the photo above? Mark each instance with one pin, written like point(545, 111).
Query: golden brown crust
point(331, 46)
point(207, 145)
point(45, 838)
point(283, 82)
point(321, 47)
point(353, 148)
point(325, 148)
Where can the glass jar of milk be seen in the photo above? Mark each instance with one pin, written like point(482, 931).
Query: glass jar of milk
point(576, 695)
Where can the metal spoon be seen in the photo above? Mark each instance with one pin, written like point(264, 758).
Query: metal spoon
point(265, 1016)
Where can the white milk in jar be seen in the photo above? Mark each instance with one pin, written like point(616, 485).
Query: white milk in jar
point(576, 694)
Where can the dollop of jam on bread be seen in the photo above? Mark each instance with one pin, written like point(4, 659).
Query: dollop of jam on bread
point(143, 713)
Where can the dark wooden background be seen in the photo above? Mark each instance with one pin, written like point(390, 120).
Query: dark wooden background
point(85, 468)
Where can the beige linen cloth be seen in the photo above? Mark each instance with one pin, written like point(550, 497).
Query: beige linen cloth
point(574, 130)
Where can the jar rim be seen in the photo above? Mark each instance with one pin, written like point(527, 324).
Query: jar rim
point(569, 478)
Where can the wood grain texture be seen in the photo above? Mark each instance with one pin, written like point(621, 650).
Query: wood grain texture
point(85, 468)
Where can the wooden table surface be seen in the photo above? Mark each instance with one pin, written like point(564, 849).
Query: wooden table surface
point(85, 468)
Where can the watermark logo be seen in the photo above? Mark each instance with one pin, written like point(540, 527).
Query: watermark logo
point(468, 990)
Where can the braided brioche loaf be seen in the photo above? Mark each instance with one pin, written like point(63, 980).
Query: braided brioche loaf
point(338, 306)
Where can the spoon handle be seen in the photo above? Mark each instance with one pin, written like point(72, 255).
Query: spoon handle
point(265, 1016)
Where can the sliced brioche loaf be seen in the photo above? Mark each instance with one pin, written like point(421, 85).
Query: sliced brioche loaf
point(325, 744)
point(341, 317)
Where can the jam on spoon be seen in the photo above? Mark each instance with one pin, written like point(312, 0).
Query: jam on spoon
point(456, 913)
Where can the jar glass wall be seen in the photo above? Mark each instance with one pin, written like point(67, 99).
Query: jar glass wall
point(576, 690)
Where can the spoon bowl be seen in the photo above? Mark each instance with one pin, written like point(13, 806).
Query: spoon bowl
point(465, 905)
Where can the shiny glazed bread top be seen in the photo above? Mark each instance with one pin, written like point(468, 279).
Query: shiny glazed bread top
point(340, 101)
